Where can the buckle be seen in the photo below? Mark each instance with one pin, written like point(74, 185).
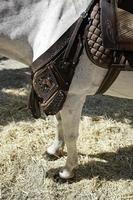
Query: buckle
point(84, 14)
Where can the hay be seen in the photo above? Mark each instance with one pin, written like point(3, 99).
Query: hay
point(105, 150)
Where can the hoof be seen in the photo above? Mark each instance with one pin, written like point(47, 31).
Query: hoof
point(51, 151)
point(58, 179)
point(65, 174)
point(54, 154)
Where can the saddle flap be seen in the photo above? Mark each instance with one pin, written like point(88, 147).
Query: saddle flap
point(116, 25)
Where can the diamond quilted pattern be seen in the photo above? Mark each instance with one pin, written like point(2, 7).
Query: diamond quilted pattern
point(94, 38)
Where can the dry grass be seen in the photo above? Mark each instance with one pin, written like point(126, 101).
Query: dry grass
point(105, 147)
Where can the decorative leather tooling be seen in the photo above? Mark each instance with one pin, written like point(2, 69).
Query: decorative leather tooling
point(53, 71)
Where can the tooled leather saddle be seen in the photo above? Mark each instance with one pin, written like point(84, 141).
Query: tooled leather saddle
point(108, 40)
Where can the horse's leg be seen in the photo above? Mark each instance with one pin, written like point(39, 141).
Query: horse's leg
point(70, 114)
point(58, 144)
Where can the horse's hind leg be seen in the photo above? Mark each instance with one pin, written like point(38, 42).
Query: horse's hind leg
point(70, 114)
point(56, 148)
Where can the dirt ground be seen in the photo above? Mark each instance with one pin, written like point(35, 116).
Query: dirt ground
point(105, 146)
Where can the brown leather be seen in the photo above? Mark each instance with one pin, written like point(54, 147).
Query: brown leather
point(108, 80)
point(126, 5)
point(117, 25)
point(54, 70)
point(95, 49)
point(53, 51)
point(94, 44)
point(114, 61)
point(34, 104)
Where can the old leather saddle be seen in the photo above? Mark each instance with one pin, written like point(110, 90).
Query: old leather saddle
point(108, 40)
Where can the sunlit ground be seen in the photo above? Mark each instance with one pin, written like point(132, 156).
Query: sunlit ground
point(105, 146)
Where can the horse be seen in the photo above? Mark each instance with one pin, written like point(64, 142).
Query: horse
point(27, 29)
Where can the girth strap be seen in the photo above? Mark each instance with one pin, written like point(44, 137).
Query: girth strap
point(108, 80)
point(114, 70)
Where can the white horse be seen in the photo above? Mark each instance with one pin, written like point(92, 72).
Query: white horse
point(27, 29)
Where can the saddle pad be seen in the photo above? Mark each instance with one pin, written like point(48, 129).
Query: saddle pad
point(94, 46)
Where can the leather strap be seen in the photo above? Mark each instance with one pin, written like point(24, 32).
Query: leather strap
point(117, 30)
point(34, 104)
point(108, 80)
point(108, 23)
point(126, 5)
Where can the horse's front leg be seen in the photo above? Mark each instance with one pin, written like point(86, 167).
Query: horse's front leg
point(57, 146)
point(70, 115)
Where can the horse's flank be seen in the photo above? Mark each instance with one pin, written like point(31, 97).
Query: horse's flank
point(28, 28)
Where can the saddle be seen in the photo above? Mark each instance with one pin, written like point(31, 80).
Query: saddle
point(117, 24)
point(53, 71)
point(107, 43)
point(101, 30)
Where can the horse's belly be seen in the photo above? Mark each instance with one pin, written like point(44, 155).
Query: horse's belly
point(123, 86)
point(88, 78)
